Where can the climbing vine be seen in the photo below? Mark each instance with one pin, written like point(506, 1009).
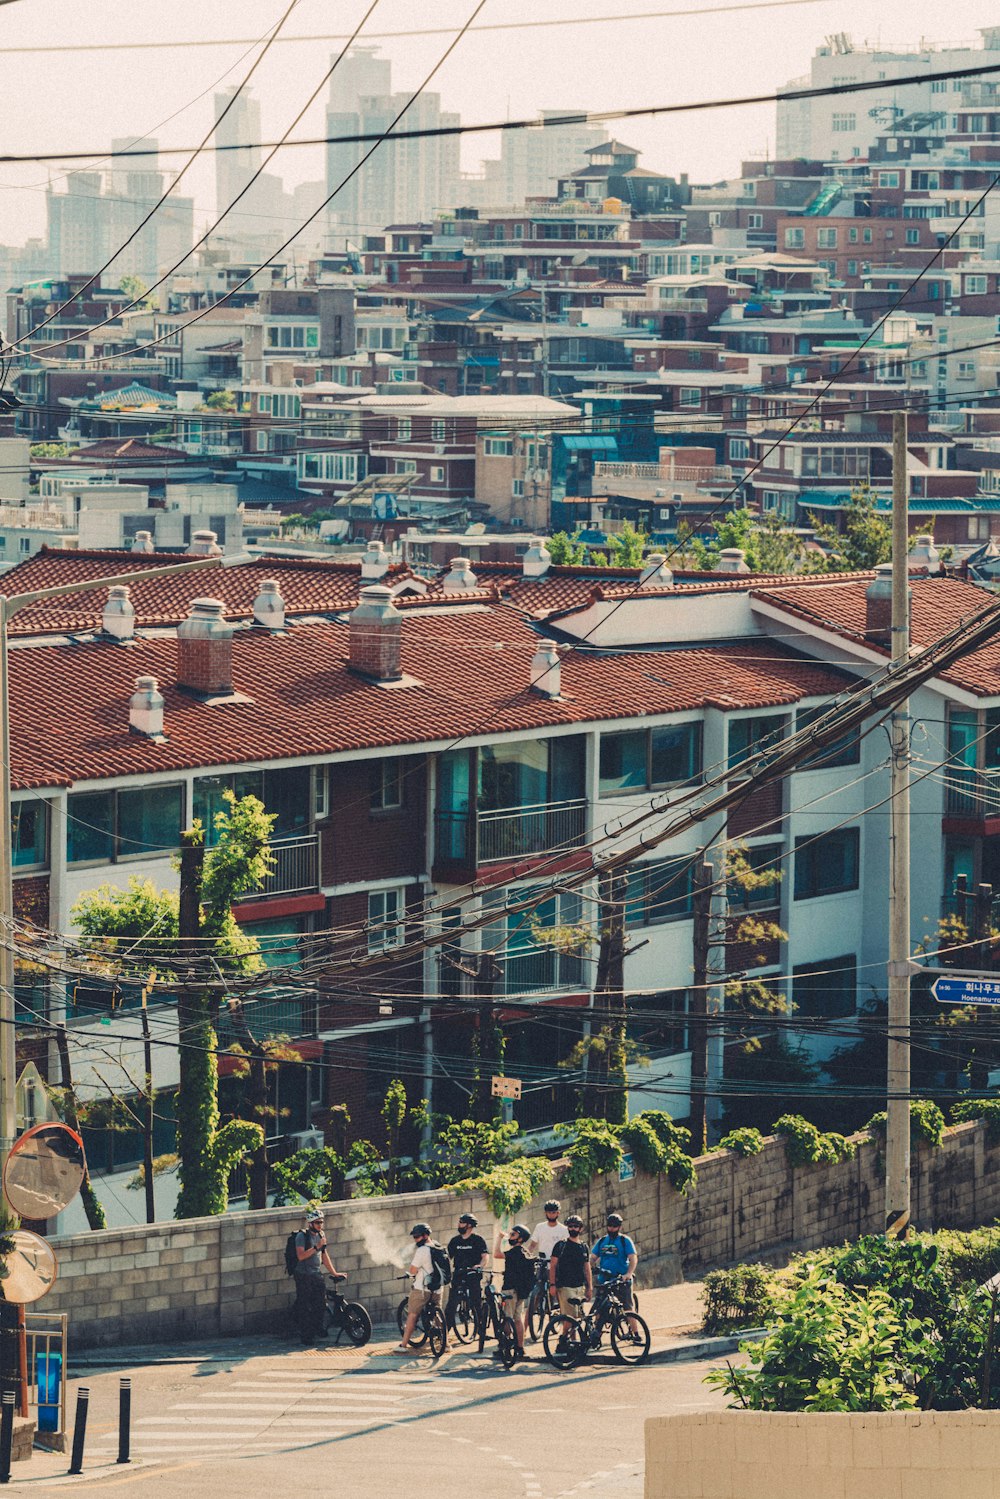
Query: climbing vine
point(926, 1124)
point(806, 1145)
point(746, 1141)
point(658, 1145)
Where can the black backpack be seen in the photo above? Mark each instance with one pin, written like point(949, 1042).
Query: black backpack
point(291, 1253)
point(441, 1273)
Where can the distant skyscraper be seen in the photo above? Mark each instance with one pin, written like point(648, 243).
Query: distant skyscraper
point(532, 161)
point(240, 128)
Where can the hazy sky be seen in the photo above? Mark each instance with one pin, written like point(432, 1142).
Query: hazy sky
point(76, 100)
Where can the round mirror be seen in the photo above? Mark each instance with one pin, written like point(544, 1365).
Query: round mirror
point(29, 1272)
point(44, 1171)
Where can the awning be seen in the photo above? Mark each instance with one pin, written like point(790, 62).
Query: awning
point(591, 444)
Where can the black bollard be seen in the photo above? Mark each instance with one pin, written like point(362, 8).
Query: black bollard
point(6, 1434)
point(79, 1429)
point(124, 1420)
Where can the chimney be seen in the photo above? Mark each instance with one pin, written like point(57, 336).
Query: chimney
point(205, 650)
point(732, 560)
point(375, 562)
point(924, 555)
point(145, 709)
point(375, 627)
point(656, 573)
point(143, 541)
point(204, 544)
point(878, 606)
point(537, 559)
point(546, 670)
point(461, 579)
point(118, 615)
point(269, 606)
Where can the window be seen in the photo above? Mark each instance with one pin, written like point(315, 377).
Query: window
point(405, 466)
point(888, 179)
point(24, 545)
point(826, 239)
point(517, 488)
point(386, 784)
point(843, 123)
point(827, 864)
point(739, 448)
point(975, 286)
point(795, 239)
point(826, 989)
point(844, 751)
point(439, 431)
point(102, 826)
point(29, 833)
point(385, 920)
point(659, 890)
point(755, 221)
point(498, 447)
point(852, 236)
point(657, 1023)
point(747, 736)
point(690, 396)
point(527, 963)
point(404, 428)
point(437, 473)
point(852, 267)
point(762, 859)
point(642, 758)
point(866, 236)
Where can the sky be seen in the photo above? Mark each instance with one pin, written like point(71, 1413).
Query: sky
point(75, 100)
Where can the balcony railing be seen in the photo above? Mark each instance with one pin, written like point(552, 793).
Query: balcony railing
point(682, 304)
point(973, 793)
point(296, 866)
point(509, 834)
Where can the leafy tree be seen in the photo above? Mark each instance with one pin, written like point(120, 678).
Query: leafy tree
point(135, 290)
point(627, 547)
point(221, 400)
point(49, 450)
point(867, 537)
point(767, 542)
point(566, 550)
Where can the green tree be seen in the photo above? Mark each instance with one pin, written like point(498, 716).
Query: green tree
point(627, 547)
point(135, 290)
point(49, 450)
point(866, 539)
point(566, 550)
point(221, 400)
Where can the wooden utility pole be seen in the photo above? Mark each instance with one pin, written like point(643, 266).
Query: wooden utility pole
point(257, 1090)
point(147, 1106)
point(704, 877)
point(489, 1042)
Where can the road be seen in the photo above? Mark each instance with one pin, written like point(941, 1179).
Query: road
point(381, 1428)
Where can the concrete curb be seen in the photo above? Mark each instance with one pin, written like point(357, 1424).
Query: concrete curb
point(705, 1347)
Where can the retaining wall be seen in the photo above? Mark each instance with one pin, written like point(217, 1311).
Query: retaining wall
point(208, 1276)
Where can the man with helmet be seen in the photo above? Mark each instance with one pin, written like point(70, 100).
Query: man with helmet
point(518, 1275)
point(613, 1255)
point(569, 1269)
point(425, 1281)
point(311, 1256)
point(546, 1235)
point(468, 1252)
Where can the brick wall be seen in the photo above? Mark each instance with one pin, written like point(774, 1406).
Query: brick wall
point(226, 1275)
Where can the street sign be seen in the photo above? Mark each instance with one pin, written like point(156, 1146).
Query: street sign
point(626, 1167)
point(966, 989)
point(505, 1087)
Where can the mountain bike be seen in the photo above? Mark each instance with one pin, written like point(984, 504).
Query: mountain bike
point(465, 1304)
point(430, 1324)
point(349, 1318)
point(540, 1304)
point(568, 1340)
point(493, 1314)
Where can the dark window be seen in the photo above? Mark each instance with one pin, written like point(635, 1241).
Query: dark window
point(386, 783)
point(761, 860)
point(640, 759)
point(748, 736)
point(827, 864)
point(826, 989)
point(111, 825)
point(843, 751)
point(29, 830)
point(657, 1023)
point(661, 890)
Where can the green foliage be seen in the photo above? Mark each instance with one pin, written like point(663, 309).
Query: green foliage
point(741, 1296)
point(595, 1151)
point(49, 450)
point(808, 1146)
point(459, 1147)
point(743, 1142)
point(566, 550)
point(135, 290)
point(867, 537)
point(968, 1258)
point(307, 1176)
point(767, 542)
point(657, 1143)
point(627, 547)
point(926, 1124)
point(986, 1109)
point(508, 1187)
point(162, 1165)
point(221, 400)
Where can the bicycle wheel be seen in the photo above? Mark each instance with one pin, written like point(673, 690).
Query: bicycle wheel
point(538, 1312)
point(356, 1323)
point(507, 1342)
point(435, 1330)
point(630, 1347)
point(564, 1342)
point(419, 1332)
point(464, 1321)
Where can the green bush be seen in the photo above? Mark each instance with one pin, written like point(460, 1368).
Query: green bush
point(743, 1142)
point(926, 1124)
point(508, 1187)
point(808, 1146)
point(743, 1296)
point(986, 1109)
point(659, 1146)
point(968, 1259)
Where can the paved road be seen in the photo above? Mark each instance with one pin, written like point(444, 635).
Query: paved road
point(377, 1427)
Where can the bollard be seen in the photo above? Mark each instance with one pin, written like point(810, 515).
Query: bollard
point(6, 1434)
point(124, 1420)
point(79, 1429)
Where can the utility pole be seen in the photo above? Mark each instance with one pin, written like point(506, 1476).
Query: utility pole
point(897, 1154)
point(489, 1042)
point(147, 1103)
point(704, 876)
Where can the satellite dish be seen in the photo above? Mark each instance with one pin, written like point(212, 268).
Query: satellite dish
point(44, 1171)
point(29, 1271)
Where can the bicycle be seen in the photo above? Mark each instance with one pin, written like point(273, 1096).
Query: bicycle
point(568, 1340)
point(345, 1316)
point(493, 1313)
point(540, 1304)
point(464, 1305)
point(430, 1325)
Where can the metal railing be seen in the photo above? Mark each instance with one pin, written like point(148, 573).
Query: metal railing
point(511, 833)
point(296, 865)
point(973, 793)
point(682, 304)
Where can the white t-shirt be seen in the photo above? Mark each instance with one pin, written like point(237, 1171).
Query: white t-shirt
point(421, 1257)
point(548, 1235)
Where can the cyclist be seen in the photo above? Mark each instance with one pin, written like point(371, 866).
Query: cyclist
point(613, 1255)
point(468, 1252)
point(518, 1276)
point(425, 1279)
point(312, 1256)
point(546, 1235)
point(569, 1269)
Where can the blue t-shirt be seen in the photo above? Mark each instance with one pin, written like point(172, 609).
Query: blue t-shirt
point(612, 1256)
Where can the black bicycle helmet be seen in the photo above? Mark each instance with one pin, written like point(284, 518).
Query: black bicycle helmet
point(420, 1231)
point(523, 1234)
point(468, 1218)
point(574, 1221)
point(552, 1207)
point(614, 1220)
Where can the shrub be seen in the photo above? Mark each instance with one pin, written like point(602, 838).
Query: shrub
point(744, 1142)
point(595, 1150)
point(742, 1296)
point(986, 1109)
point(968, 1259)
point(508, 1187)
point(660, 1146)
point(808, 1146)
point(926, 1124)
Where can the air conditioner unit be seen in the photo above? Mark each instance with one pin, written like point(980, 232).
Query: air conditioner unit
point(307, 1139)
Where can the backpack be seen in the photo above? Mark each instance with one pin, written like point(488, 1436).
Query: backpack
point(441, 1273)
point(291, 1255)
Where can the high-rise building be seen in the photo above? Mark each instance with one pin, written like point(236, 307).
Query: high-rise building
point(532, 161)
point(237, 125)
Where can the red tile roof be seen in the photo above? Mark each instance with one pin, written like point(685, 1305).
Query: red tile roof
point(471, 671)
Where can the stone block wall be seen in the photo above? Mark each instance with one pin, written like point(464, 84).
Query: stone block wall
point(209, 1276)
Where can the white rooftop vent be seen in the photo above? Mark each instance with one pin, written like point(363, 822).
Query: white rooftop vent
point(142, 541)
point(118, 615)
point(269, 606)
point(461, 579)
point(925, 554)
point(546, 670)
point(655, 572)
point(145, 708)
point(732, 560)
point(204, 544)
point(375, 562)
point(537, 559)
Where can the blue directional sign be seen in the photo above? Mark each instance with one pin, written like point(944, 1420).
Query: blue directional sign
point(966, 989)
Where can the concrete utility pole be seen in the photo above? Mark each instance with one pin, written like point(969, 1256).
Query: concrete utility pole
point(704, 876)
point(897, 1154)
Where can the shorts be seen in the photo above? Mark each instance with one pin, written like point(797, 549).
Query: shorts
point(514, 1305)
point(564, 1293)
point(419, 1299)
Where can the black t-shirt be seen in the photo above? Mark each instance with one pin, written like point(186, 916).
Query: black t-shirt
point(571, 1256)
point(519, 1271)
point(466, 1254)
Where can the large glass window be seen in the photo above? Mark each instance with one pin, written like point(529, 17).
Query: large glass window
point(826, 989)
point(639, 759)
point(763, 859)
point(102, 826)
point(748, 736)
point(29, 833)
point(843, 751)
point(658, 1023)
point(288, 792)
point(659, 890)
point(827, 864)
